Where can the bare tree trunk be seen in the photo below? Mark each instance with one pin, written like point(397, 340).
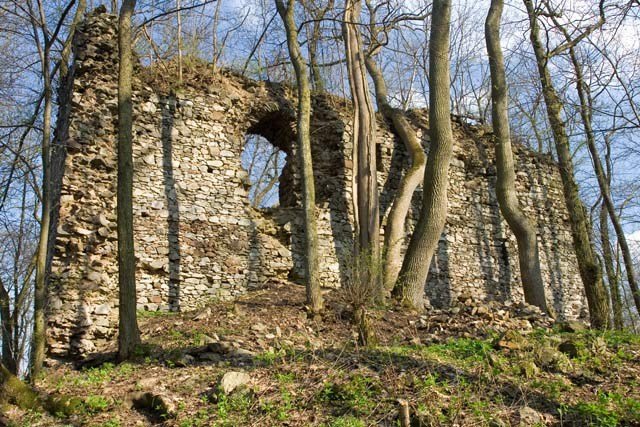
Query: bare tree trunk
point(612, 277)
point(424, 241)
point(590, 270)
point(7, 326)
point(214, 42)
point(525, 232)
point(314, 296)
point(317, 15)
point(40, 291)
point(39, 23)
point(365, 183)
point(179, 30)
point(395, 229)
point(128, 334)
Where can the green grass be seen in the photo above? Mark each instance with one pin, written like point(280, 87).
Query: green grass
point(608, 410)
point(346, 421)
point(145, 314)
point(232, 408)
point(359, 394)
point(94, 404)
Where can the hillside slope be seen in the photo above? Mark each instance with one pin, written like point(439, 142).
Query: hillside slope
point(473, 365)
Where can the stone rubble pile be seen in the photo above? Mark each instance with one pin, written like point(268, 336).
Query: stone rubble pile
point(470, 317)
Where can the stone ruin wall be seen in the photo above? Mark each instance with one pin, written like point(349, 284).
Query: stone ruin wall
point(198, 238)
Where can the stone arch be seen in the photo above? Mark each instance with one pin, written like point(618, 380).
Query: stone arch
point(277, 127)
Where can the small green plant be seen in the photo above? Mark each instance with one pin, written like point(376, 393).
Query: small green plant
point(609, 410)
point(96, 403)
point(346, 421)
point(235, 405)
point(112, 422)
point(594, 414)
point(96, 376)
point(270, 357)
point(285, 378)
point(199, 419)
point(554, 389)
point(358, 394)
point(146, 314)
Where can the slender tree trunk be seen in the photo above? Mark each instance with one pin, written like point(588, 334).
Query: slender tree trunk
point(525, 232)
point(424, 242)
point(590, 270)
point(7, 326)
point(365, 183)
point(603, 184)
point(395, 229)
point(314, 296)
point(317, 14)
point(179, 30)
point(612, 277)
point(128, 334)
point(40, 291)
point(214, 42)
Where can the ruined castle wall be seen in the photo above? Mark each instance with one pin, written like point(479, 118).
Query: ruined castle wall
point(196, 235)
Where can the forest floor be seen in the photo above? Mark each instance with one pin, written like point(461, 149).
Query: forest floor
point(473, 365)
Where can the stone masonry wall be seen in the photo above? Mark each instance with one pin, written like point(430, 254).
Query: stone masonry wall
point(196, 235)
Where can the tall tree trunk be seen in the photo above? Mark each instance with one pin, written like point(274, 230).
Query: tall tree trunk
point(214, 43)
point(317, 15)
point(603, 183)
point(7, 325)
point(41, 264)
point(590, 270)
point(395, 229)
point(179, 31)
point(40, 291)
point(128, 334)
point(365, 183)
point(314, 296)
point(612, 277)
point(16, 392)
point(424, 241)
point(525, 232)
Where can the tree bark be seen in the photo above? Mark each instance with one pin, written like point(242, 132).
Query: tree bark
point(612, 277)
point(365, 183)
point(128, 334)
point(7, 325)
point(41, 263)
point(317, 15)
point(395, 229)
point(314, 296)
point(424, 242)
point(40, 290)
point(16, 392)
point(525, 232)
point(590, 270)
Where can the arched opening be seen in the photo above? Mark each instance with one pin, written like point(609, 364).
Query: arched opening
point(266, 158)
point(264, 162)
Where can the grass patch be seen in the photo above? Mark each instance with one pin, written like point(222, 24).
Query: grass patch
point(463, 349)
point(359, 394)
point(94, 404)
point(346, 421)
